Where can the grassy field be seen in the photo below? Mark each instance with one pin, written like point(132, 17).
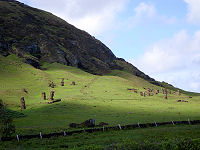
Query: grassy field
point(103, 98)
point(167, 137)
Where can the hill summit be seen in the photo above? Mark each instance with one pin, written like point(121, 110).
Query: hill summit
point(39, 36)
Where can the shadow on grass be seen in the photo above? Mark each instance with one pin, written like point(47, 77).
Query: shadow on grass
point(58, 116)
point(14, 114)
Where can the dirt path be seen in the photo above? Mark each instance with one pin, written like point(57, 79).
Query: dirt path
point(88, 85)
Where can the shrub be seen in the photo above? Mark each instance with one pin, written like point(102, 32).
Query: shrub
point(7, 127)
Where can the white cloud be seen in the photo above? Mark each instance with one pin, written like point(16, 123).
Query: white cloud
point(93, 16)
point(142, 13)
point(193, 14)
point(144, 9)
point(145, 13)
point(174, 60)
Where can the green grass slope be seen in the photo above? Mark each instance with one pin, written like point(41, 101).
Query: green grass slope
point(176, 138)
point(103, 98)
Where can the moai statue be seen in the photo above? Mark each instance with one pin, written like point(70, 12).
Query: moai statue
point(51, 95)
point(24, 90)
point(165, 93)
point(144, 94)
point(170, 92)
point(52, 85)
point(73, 83)
point(44, 96)
point(62, 82)
point(157, 91)
point(23, 105)
point(179, 93)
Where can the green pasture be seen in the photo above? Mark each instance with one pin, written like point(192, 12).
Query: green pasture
point(103, 98)
point(181, 137)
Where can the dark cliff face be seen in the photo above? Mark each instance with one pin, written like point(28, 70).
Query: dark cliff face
point(39, 36)
point(48, 38)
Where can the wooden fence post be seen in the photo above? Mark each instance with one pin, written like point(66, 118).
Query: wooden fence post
point(64, 133)
point(40, 135)
point(119, 126)
point(173, 122)
point(189, 121)
point(18, 138)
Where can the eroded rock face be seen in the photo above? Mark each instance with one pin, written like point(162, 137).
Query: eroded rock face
point(34, 50)
point(32, 62)
point(51, 39)
point(3, 47)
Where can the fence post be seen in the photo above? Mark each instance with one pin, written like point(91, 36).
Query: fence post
point(173, 122)
point(40, 135)
point(18, 138)
point(119, 126)
point(64, 133)
point(156, 124)
point(189, 121)
point(138, 124)
point(103, 128)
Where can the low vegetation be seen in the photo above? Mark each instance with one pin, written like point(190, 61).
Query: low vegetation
point(7, 127)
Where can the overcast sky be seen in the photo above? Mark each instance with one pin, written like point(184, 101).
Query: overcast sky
point(160, 37)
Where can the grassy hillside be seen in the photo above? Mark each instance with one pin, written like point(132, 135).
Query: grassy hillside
point(153, 138)
point(104, 98)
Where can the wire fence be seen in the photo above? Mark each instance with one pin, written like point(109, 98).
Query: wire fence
point(102, 129)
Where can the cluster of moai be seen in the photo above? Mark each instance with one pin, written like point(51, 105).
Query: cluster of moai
point(51, 97)
point(62, 83)
point(44, 97)
point(152, 92)
point(165, 92)
point(52, 85)
point(149, 92)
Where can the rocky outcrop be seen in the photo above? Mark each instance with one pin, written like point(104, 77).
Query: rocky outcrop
point(3, 47)
point(49, 38)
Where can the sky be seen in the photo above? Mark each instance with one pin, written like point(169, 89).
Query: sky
point(159, 37)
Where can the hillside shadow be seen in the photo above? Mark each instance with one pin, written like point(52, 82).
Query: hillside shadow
point(58, 116)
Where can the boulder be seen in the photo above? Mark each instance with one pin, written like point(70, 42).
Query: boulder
point(88, 123)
